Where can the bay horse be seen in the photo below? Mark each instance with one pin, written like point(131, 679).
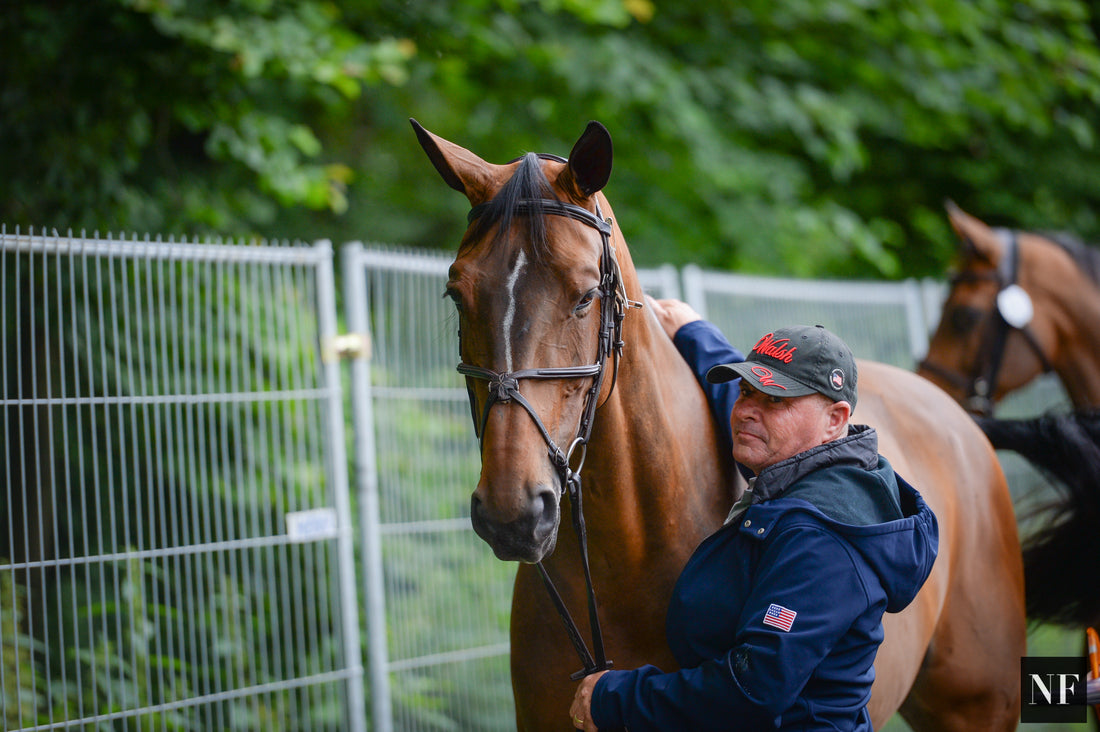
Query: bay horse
point(1020, 304)
point(568, 381)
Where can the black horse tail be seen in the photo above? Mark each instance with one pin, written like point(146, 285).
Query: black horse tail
point(1061, 554)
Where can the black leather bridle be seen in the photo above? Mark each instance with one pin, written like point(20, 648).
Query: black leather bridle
point(504, 387)
point(980, 384)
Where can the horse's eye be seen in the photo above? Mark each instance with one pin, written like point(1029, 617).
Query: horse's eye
point(964, 319)
point(453, 295)
point(585, 303)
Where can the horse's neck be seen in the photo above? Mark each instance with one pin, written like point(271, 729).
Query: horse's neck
point(1080, 375)
point(655, 448)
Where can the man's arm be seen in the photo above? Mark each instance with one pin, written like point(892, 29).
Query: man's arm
point(702, 345)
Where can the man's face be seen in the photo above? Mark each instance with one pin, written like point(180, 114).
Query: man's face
point(768, 429)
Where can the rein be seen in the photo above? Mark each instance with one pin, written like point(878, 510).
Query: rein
point(504, 387)
point(980, 385)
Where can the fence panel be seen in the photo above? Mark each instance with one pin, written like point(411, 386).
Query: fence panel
point(883, 321)
point(176, 550)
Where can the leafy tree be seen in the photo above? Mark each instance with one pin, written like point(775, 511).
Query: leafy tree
point(795, 137)
point(817, 139)
point(176, 116)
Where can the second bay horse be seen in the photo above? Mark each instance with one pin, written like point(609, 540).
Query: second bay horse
point(1020, 304)
point(567, 378)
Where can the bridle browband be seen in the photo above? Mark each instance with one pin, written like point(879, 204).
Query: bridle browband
point(504, 387)
point(981, 384)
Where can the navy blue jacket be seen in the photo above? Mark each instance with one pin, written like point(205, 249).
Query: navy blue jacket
point(776, 618)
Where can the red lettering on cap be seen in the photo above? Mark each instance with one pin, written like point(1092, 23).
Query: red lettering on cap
point(769, 346)
point(767, 378)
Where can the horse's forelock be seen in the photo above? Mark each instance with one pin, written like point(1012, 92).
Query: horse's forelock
point(529, 185)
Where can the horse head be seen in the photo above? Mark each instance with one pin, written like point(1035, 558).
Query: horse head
point(539, 297)
point(992, 337)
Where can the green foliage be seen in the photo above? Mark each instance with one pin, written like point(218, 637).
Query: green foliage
point(791, 137)
point(22, 690)
point(797, 138)
point(193, 117)
point(121, 668)
point(131, 657)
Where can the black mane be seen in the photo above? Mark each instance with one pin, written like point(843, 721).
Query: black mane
point(530, 186)
point(1086, 256)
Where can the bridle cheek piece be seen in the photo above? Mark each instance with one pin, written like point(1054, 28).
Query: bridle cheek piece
point(981, 384)
point(504, 388)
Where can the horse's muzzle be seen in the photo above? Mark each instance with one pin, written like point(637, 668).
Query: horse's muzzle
point(530, 537)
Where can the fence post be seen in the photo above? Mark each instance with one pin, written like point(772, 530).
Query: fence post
point(345, 547)
point(695, 293)
point(366, 480)
point(915, 316)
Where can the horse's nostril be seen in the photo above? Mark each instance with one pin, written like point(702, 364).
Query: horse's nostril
point(545, 510)
point(477, 513)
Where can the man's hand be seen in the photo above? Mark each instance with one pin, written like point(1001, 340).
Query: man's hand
point(581, 709)
point(672, 314)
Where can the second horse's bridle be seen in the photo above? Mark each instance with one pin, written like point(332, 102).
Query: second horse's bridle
point(981, 384)
point(504, 387)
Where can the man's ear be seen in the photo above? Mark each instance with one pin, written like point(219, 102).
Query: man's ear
point(838, 414)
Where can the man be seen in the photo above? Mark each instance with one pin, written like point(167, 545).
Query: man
point(777, 616)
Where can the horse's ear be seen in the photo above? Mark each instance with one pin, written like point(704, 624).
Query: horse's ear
point(975, 236)
point(460, 168)
point(590, 160)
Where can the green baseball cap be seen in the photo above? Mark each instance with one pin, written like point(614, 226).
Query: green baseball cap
point(796, 361)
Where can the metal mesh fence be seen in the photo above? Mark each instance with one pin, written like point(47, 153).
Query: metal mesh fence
point(882, 321)
point(446, 597)
point(172, 540)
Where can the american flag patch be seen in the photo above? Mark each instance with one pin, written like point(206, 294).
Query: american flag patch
point(780, 617)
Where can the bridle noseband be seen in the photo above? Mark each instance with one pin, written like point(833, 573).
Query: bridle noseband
point(504, 388)
point(981, 384)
